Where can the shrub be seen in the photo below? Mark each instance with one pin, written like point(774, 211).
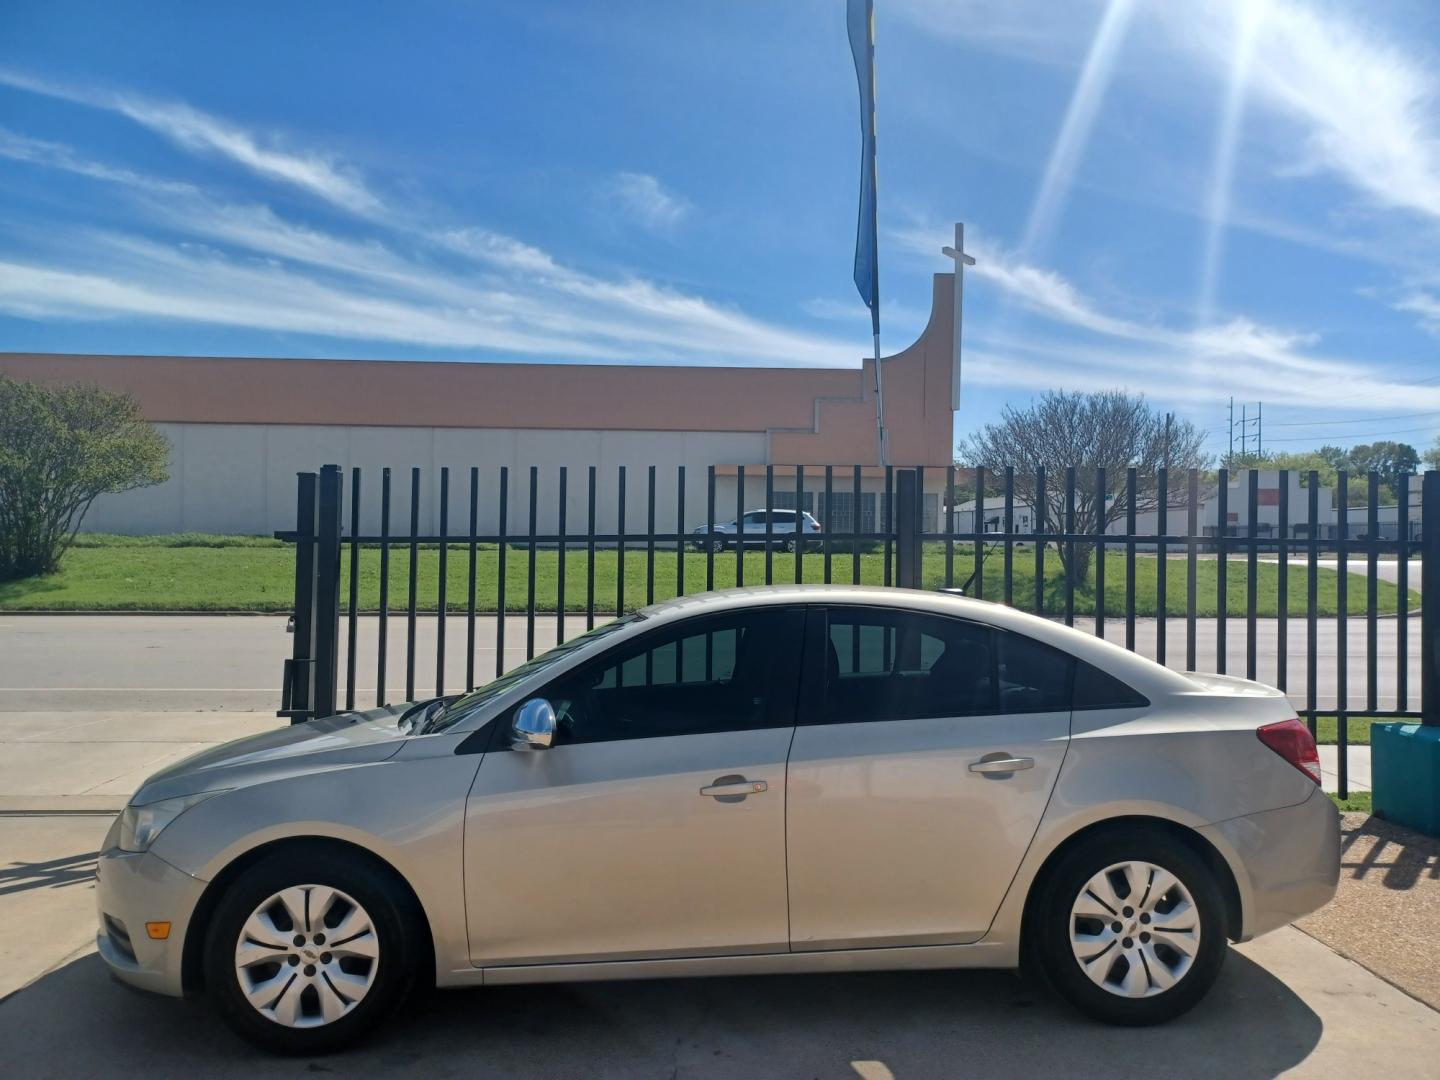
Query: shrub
point(60, 447)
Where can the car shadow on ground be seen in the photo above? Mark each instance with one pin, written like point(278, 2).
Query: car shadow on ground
point(76, 1021)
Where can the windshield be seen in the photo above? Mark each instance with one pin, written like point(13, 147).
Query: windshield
point(449, 715)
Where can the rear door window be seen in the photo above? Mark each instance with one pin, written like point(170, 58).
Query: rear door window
point(891, 664)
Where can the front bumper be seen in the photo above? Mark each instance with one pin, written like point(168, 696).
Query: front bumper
point(132, 890)
point(1288, 861)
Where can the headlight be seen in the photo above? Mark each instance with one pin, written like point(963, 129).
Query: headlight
point(140, 825)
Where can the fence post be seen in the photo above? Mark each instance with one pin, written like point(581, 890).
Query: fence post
point(295, 697)
point(326, 619)
point(1429, 598)
point(908, 529)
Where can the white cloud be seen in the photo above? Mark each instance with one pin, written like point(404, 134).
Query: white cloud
point(1043, 32)
point(647, 202)
point(440, 286)
point(452, 287)
point(200, 132)
point(1362, 99)
point(1424, 304)
point(1367, 103)
point(1202, 362)
point(54, 155)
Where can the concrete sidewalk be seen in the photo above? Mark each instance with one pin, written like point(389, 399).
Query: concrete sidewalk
point(78, 761)
point(1284, 1004)
point(1357, 767)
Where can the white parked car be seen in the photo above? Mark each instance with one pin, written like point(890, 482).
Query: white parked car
point(786, 528)
point(782, 779)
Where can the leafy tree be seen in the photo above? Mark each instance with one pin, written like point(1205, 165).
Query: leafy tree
point(1111, 430)
point(1392, 460)
point(1337, 457)
point(60, 447)
point(1432, 456)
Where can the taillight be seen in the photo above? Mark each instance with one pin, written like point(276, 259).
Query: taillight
point(1292, 741)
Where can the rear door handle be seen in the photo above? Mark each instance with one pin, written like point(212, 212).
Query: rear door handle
point(989, 766)
point(734, 787)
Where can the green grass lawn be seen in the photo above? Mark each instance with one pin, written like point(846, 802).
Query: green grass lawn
point(1357, 801)
point(194, 572)
point(1357, 730)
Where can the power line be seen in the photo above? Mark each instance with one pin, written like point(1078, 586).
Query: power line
point(1360, 434)
point(1356, 420)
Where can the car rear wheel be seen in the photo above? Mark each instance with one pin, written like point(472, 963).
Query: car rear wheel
point(309, 950)
point(1132, 927)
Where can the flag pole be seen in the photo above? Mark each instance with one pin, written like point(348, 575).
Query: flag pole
point(860, 26)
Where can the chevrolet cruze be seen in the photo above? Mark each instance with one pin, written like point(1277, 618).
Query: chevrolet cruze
point(767, 780)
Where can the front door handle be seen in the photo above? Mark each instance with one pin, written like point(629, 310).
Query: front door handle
point(734, 787)
point(991, 765)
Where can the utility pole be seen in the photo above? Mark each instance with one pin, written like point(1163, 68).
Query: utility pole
point(1169, 420)
point(1231, 455)
point(1252, 439)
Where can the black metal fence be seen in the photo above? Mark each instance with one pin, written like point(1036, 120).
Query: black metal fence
point(1153, 571)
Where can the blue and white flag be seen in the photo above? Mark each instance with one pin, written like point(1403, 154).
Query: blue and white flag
point(861, 22)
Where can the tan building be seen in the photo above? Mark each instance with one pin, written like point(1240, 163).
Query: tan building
point(242, 428)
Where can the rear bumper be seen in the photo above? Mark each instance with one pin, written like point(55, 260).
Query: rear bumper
point(130, 891)
point(1286, 862)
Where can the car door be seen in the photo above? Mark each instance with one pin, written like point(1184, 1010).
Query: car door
point(655, 825)
point(926, 752)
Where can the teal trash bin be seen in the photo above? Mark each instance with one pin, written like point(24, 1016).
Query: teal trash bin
point(1405, 772)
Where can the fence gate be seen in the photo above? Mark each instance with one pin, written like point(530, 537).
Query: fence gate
point(1284, 586)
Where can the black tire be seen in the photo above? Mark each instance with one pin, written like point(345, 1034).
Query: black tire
point(1054, 916)
point(392, 912)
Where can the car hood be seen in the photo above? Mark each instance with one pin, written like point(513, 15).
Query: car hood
point(340, 741)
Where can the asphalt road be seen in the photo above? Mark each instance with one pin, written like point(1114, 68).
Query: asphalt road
point(190, 663)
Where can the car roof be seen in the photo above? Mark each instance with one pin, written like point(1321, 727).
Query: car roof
point(1138, 671)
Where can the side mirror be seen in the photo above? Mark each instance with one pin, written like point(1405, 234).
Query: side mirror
point(534, 726)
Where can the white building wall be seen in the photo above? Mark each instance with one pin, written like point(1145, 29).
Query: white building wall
point(240, 478)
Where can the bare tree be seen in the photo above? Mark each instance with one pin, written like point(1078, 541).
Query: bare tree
point(1111, 430)
point(60, 448)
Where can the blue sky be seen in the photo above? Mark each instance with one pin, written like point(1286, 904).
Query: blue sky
point(1193, 201)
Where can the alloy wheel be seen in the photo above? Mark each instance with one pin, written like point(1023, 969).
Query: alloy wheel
point(307, 956)
point(1135, 929)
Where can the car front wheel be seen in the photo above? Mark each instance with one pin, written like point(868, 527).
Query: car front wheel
point(1132, 927)
point(309, 950)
